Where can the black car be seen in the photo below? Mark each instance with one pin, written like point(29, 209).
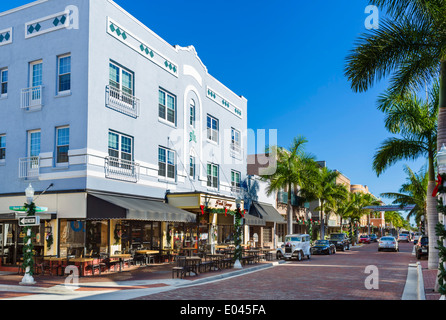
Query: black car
point(323, 247)
point(340, 240)
point(422, 247)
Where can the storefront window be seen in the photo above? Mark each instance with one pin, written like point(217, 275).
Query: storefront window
point(72, 237)
point(97, 237)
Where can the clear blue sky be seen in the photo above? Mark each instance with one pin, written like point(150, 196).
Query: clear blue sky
point(287, 58)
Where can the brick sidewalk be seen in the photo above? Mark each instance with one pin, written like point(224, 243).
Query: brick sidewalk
point(429, 278)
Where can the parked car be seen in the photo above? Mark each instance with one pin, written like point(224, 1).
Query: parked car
point(422, 247)
point(409, 235)
point(364, 239)
point(416, 237)
point(295, 246)
point(388, 243)
point(373, 238)
point(403, 237)
point(340, 240)
point(323, 247)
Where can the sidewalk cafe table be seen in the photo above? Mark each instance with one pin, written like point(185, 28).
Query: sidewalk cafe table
point(55, 259)
point(192, 264)
point(189, 250)
point(121, 258)
point(147, 254)
point(253, 253)
point(216, 257)
point(83, 262)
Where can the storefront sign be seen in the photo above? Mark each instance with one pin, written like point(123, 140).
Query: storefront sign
point(23, 209)
point(29, 221)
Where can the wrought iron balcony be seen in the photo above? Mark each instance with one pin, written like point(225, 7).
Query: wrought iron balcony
point(121, 101)
point(120, 169)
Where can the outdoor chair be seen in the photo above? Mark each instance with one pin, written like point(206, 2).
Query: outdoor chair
point(180, 268)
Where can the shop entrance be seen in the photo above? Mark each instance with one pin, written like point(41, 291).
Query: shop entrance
point(11, 242)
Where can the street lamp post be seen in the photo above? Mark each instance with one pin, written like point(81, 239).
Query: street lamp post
point(28, 259)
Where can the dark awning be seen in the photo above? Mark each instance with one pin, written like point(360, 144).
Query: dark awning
point(251, 220)
point(101, 206)
point(266, 212)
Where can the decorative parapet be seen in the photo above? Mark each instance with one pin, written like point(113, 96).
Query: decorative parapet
point(127, 38)
point(222, 101)
point(47, 24)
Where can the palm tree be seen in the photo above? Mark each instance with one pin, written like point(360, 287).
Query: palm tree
point(324, 189)
point(416, 122)
point(409, 47)
point(342, 205)
point(295, 168)
point(359, 203)
point(413, 192)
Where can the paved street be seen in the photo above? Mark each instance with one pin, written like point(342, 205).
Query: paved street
point(338, 277)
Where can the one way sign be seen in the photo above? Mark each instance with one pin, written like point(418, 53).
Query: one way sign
point(29, 221)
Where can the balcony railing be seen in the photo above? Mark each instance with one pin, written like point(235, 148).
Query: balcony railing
point(120, 169)
point(29, 168)
point(236, 151)
point(122, 102)
point(31, 98)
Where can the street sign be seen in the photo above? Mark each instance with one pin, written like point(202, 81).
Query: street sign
point(23, 209)
point(29, 221)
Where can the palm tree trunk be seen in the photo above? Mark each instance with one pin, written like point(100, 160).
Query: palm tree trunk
point(441, 131)
point(322, 221)
point(289, 212)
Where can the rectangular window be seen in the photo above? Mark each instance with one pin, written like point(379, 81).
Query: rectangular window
point(120, 146)
point(235, 140)
point(212, 128)
point(62, 144)
point(34, 143)
point(166, 163)
point(36, 74)
point(2, 147)
point(121, 79)
point(192, 113)
point(167, 106)
point(4, 81)
point(213, 172)
point(64, 77)
point(192, 167)
point(235, 179)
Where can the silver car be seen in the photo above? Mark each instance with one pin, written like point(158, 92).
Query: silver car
point(388, 243)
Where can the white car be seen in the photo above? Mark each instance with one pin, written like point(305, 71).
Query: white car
point(416, 237)
point(403, 237)
point(295, 246)
point(388, 243)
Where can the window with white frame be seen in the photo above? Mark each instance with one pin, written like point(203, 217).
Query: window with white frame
point(166, 163)
point(120, 146)
point(167, 106)
point(64, 73)
point(235, 180)
point(212, 128)
point(62, 144)
point(121, 79)
point(213, 175)
point(3, 82)
point(2, 147)
point(192, 113)
point(192, 167)
point(34, 138)
point(235, 140)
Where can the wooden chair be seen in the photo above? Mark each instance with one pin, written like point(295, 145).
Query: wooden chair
point(180, 268)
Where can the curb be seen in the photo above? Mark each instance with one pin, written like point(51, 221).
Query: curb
point(411, 289)
point(421, 290)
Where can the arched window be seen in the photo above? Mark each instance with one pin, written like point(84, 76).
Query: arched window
point(192, 113)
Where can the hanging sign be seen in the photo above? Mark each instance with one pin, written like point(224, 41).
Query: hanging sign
point(23, 209)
